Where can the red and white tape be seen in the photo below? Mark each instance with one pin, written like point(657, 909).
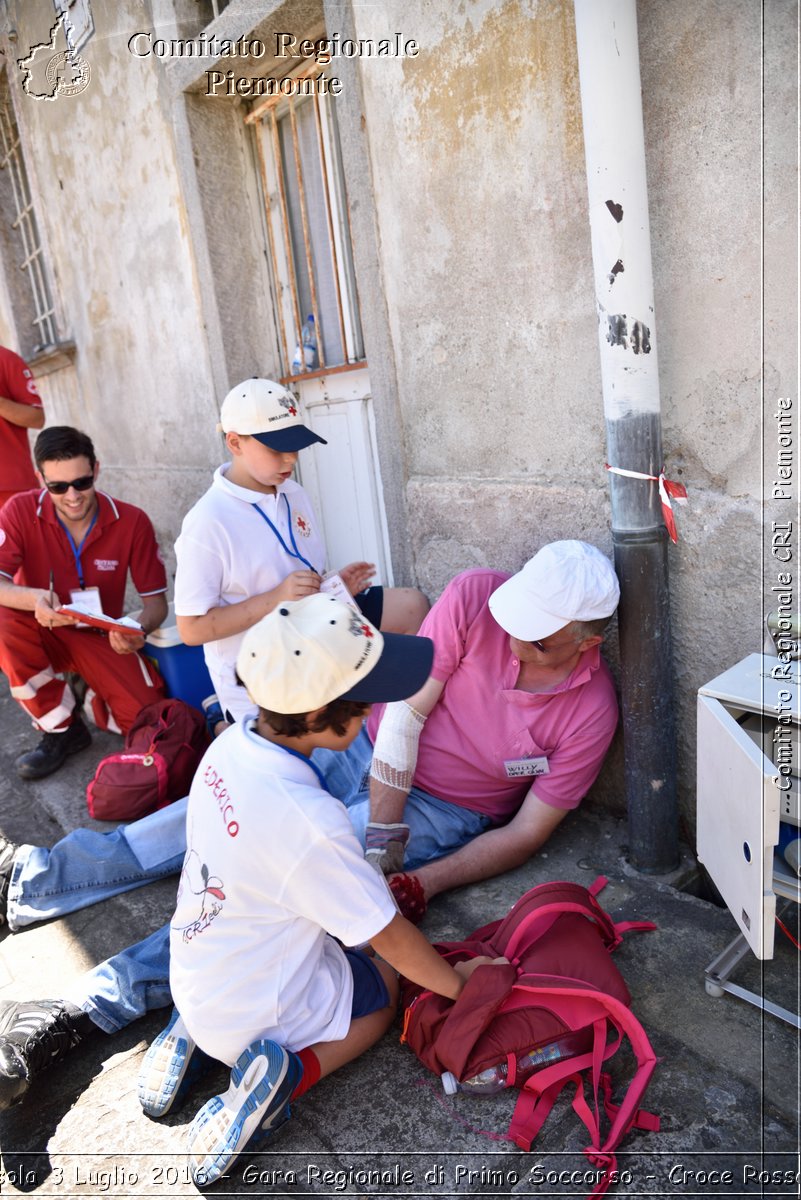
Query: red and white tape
point(668, 488)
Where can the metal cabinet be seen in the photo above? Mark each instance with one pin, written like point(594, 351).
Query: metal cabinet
point(749, 721)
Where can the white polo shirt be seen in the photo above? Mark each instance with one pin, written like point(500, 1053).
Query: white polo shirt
point(272, 868)
point(227, 552)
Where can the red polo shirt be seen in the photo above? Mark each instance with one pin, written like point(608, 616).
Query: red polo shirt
point(33, 542)
point(17, 384)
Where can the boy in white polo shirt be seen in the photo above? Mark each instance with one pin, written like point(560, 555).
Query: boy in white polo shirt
point(274, 881)
point(253, 540)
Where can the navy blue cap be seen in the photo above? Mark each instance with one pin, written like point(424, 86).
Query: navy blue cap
point(402, 669)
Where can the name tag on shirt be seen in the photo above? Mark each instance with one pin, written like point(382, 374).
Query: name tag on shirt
point(87, 599)
point(517, 768)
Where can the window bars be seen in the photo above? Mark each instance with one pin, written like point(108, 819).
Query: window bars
point(308, 227)
point(19, 213)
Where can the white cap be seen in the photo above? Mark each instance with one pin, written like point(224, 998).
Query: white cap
point(306, 653)
point(563, 582)
point(268, 412)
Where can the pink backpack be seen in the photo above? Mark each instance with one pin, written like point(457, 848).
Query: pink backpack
point(560, 983)
point(163, 749)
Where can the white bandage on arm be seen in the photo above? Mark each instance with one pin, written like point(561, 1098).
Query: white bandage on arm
point(396, 743)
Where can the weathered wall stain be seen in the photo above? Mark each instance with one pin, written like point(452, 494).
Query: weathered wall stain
point(483, 71)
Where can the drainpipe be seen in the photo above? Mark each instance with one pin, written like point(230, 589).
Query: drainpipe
point(611, 105)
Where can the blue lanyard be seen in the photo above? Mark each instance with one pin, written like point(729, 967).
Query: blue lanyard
point(307, 761)
point(294, 552)
point(76, 550)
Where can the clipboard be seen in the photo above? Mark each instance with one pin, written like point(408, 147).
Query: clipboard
point(126, 626)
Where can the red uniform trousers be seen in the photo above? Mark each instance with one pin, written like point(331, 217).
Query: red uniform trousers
point(31, 656)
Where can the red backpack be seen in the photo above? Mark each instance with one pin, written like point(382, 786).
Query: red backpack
point(560, 983)
point(163, 749)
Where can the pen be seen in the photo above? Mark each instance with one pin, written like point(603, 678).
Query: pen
point(52, 596)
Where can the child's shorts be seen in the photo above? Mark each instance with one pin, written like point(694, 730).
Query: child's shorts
point(371, 602)
point(369, 990)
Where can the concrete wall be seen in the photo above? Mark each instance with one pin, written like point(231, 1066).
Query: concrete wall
point(477, 164)
point(104, 168)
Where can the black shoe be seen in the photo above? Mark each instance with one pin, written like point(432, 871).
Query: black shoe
point(7, 852)
point(32, 1036)
point(53, 750)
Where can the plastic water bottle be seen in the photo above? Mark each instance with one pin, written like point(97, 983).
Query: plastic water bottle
point(306, 351)
point(493, 1079)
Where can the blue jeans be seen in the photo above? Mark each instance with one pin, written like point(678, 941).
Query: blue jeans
point(436, 828)
point(85, 867)
point(125, 987)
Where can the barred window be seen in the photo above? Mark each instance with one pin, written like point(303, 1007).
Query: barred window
point(20, 242)
point(308, 225)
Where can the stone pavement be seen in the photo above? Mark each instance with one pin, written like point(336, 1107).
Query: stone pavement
point(726, 1086)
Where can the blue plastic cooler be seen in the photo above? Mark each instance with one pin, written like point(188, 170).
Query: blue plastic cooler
point(183, 668)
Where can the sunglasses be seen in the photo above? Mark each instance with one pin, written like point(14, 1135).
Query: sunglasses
point(543, 649)
point(81, 485)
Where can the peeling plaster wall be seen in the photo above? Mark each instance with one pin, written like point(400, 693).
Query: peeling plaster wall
point(701, 93)
point(478, 170)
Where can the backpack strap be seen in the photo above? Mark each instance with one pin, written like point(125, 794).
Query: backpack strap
point(541, 1089)
point(544, 917)
point(534, 913)
point(621, 927)
point(642, 1118)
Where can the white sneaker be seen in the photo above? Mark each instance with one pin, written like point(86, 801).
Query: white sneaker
point(256, 1103)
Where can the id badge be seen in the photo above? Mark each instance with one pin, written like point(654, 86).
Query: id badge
point(334, 585)
point(521, 768)
point(89, 600)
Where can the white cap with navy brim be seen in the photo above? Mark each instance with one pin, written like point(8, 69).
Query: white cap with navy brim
point(308, 652)
point(268, 412)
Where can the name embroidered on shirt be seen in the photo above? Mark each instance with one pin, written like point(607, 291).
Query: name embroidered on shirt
point(107, 564)
point(523, 767)
point(214, 781)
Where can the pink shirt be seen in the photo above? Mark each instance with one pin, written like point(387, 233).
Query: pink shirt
point(481, 724)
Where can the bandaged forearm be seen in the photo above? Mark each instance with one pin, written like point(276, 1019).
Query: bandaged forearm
point(396, 745)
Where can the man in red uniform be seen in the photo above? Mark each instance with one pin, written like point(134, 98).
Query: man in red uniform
point(20, 410)
point(85, 543)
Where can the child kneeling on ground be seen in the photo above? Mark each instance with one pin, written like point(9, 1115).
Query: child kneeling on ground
point(275, 879)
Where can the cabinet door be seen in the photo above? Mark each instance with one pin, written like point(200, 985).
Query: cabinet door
point(738, 821)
